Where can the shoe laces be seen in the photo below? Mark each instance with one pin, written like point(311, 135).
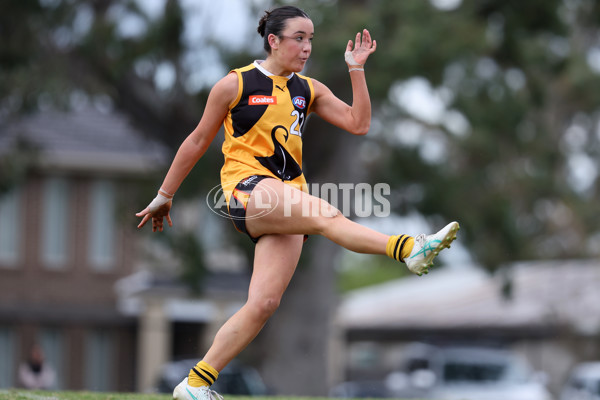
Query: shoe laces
point(421, 239)
point(214, 395)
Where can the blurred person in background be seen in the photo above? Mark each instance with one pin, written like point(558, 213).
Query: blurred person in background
point(35, 373)
point(263, 107)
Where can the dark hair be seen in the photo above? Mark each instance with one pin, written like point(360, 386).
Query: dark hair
point(274, 22)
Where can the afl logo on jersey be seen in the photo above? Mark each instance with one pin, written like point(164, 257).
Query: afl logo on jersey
point(299, 102)
point(262, 100)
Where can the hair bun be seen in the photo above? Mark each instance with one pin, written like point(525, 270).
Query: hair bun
point(274, 22)
point(262, 24)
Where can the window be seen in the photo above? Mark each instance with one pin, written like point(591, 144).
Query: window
point(7, 361)
point(456, 371)
point(10, 232)
point(51, 341)
point(99, 362)
point(416, 364)
point(55, 223)
point(102, 225)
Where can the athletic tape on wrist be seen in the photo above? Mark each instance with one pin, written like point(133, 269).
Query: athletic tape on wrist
point(169, 195)
point(158, 201)
point(350, 59)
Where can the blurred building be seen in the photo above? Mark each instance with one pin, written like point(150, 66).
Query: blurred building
point(66, 237)
point(546, 311)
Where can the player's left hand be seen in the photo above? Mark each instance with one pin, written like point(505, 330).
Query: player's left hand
point(363, 45)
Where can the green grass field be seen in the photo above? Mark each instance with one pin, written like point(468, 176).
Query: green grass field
point(40, 395)
point(35, 395)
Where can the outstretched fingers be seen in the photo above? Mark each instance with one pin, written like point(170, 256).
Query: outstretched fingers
point(366, 42)
point(357, 41)
point(144, 213)
point(363, 45)
point(157, 219)
point(374, 47)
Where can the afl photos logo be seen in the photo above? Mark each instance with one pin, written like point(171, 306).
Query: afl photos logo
point(261, 100)
point(265, 200)
point(299, 102)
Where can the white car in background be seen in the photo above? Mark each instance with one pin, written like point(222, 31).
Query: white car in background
point(465, 373)
point(583, 382)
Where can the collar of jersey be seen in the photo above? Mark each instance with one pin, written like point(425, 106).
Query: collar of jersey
point(267, 73)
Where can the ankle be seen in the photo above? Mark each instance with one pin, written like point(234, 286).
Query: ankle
point(202, 374)
point(399, 247)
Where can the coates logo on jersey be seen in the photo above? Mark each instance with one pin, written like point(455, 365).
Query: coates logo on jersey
point(299, 102)
point(262, 100)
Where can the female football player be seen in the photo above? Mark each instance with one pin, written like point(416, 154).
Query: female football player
point(263, 107)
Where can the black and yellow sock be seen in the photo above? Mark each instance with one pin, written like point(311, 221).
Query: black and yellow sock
point(399, 247)
point(202, 375)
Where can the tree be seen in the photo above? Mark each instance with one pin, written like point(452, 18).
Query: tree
point(509, 84)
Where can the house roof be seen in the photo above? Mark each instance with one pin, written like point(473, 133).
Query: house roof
point(85, 139)
point(544, 294)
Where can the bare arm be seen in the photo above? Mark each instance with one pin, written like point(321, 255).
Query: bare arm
point(192, 149)
point(356, 118)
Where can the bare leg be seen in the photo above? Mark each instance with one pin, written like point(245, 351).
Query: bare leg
point(291, 214)
point(291, 211)
point(275, 260)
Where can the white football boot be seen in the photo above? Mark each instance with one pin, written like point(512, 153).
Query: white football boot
point(426, 248)
point(183, 391)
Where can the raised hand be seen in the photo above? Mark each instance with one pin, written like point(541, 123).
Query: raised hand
point(363, 45)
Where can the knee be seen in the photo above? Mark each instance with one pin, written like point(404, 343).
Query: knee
point(328, 211)
point(264, 307)
point(326, 216)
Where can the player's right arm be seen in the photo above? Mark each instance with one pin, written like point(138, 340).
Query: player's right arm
point(193, 147)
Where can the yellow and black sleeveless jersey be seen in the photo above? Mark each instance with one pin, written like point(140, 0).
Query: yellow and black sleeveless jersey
point(263, 128)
